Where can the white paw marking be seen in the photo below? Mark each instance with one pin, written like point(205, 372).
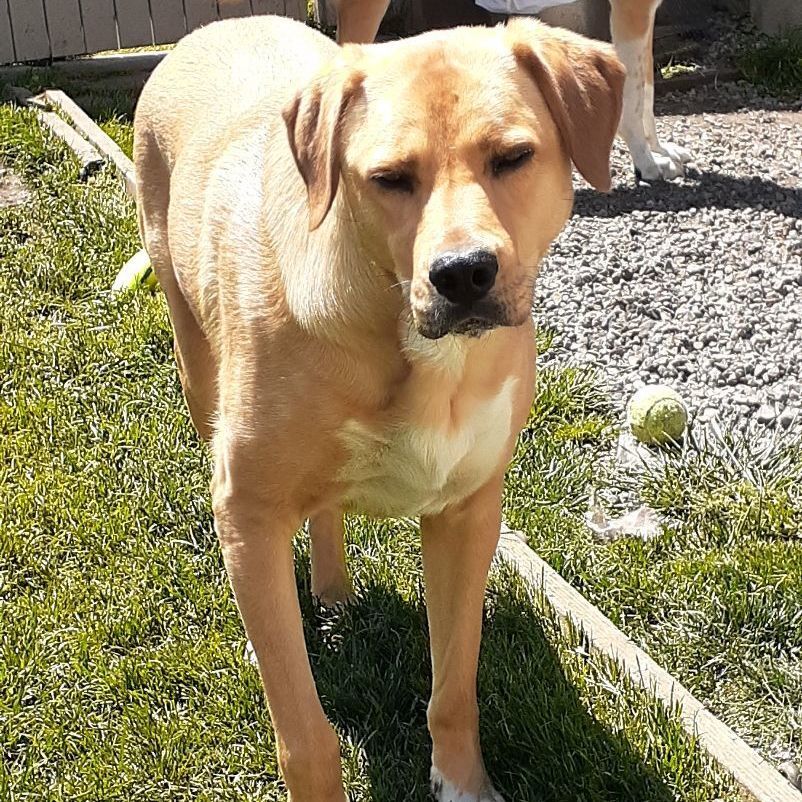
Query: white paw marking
point(675, 152)
point(659, 168)
point(662, 163)
point(445, 791)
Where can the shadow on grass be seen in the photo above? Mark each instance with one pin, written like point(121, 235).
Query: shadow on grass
point(371, 664)
point(699, 190)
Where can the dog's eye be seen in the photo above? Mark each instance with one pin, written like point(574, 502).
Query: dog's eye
point(509, 162)
point(394, 182)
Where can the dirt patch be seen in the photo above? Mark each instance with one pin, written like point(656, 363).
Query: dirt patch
point(13, 191)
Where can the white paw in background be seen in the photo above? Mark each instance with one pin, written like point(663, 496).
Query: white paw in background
point(677, 154)
point(663, 164)
point(445, 791)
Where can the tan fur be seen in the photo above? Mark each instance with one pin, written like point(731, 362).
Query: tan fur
point(574, 94)
point(298, 290)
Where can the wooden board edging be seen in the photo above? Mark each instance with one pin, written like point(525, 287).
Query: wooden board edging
point(750, 770)
point(96, 135)
point(87, 154)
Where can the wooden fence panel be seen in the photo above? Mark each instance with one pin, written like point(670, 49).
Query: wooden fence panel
point(296, 9)
point(100, 29)
point(6, 38)
point(30, 30)
point(64, 25)
point(39, 29)
point(133, 23)
point(234, 8)
point(168, 21)
point(268, 6)
point(199, 12)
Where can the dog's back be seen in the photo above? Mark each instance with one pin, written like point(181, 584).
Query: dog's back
point(223, 70)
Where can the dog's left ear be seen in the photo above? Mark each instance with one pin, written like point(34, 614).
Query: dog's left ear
point(582, 82)
point(314, 120)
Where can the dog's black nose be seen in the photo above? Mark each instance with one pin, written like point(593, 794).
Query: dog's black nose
point(463, 278)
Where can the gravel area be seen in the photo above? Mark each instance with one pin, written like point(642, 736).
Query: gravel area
point(695, 283)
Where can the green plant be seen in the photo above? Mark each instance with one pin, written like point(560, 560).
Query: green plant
point(775, 63)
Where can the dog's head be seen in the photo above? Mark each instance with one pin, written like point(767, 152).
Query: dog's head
point(455, 151)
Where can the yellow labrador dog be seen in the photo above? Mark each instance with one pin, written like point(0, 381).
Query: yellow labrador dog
point(348, 240)
point(632, 29)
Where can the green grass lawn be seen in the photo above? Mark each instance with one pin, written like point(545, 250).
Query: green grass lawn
point(121, 669)
point(717, 599)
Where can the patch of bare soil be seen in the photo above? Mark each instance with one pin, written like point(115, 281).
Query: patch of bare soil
point(13, 191)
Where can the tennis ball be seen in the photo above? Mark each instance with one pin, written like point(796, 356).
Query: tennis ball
point(657, 415)
point(136, 272)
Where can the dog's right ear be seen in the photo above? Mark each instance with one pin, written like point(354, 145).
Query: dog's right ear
point(314, 120)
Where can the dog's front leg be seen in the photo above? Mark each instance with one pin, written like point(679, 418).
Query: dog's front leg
point(458, 546)
point(256, 540)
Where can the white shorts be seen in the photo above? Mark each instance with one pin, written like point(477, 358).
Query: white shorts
point(519, 6)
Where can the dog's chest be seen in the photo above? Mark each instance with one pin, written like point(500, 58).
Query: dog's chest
point(409, 468)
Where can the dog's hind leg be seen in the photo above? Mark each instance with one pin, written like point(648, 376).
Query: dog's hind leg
point(196, 364)
point(359, 20)
point(632, 27)
point(331, 582)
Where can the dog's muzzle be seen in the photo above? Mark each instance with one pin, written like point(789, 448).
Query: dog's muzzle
point(463, 302)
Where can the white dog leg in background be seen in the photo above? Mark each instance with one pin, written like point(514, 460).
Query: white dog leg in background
point(674, 152)
point(632, 28)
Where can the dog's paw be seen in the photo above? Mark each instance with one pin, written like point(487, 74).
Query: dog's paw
point(659, 168)
point(445, 791)
point(674, 152)
point(665, 162)
point(335, 596)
